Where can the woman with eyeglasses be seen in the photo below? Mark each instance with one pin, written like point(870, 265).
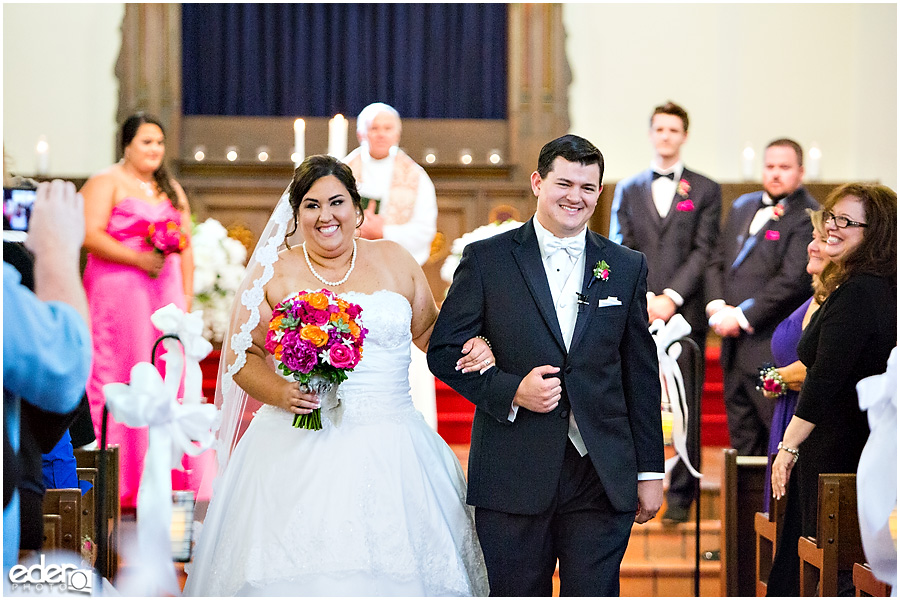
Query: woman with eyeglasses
point(849, 338)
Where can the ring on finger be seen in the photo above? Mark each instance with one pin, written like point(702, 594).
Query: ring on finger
point(486, 362)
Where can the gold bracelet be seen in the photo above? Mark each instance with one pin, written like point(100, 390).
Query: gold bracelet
point(792, 451)
point(485, 340)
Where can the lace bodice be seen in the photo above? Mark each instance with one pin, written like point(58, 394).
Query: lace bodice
point(379, 385)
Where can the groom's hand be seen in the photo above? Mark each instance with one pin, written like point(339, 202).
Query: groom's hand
point(650, 498)
point(537, 393)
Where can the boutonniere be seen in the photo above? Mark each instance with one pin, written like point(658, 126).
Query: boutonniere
point(685, 205)
point(684, 188)
point(773, 235)
point(778, 211)
point(601, 271)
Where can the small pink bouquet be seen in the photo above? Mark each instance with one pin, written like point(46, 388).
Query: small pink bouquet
point(317, 338)
point(166, 237)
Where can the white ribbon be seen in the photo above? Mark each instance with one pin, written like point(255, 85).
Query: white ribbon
point(876, 478)
point(174, 427)
point(672, 384)
point(189, 329)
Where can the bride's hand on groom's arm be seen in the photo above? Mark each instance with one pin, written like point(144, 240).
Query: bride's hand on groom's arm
point(477, 356)
point(537, 393)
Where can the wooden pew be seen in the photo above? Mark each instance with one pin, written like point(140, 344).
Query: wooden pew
point(767, 526)
point(837, 544)
point(89, 513)
point(62, 520)
point(109, 509)
point(743, 483)
point(866, 584)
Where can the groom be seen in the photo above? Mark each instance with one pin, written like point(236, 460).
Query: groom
point(567, 447)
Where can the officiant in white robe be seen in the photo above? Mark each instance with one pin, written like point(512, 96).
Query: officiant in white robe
point(402, 208)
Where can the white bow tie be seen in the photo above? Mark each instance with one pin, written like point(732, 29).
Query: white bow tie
point(573, 246)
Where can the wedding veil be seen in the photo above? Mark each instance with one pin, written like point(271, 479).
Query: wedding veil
point(245, 317)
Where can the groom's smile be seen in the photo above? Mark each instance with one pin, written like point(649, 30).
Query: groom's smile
point(567, 196)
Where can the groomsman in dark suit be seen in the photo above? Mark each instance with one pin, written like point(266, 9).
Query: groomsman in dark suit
point(567, 450)
point(756, 278)
point(671, 214)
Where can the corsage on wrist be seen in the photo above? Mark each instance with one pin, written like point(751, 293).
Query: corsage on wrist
point(770, 381)
point(792, 451)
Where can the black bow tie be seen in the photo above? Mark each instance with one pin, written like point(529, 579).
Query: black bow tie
point(658, 175)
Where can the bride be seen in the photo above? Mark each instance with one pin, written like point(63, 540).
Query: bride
point(374, 502)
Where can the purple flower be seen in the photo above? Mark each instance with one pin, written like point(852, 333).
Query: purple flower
point(298, 354)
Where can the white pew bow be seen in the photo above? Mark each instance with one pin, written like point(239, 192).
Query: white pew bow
point(876, 479)
point(175, 428)
point(189, 328)
point(672, 383)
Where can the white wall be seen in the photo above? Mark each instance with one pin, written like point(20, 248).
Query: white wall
point(824, 73)
point(818, 73)
point(59, 81)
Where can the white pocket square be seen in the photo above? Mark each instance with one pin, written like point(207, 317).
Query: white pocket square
point(611, 301)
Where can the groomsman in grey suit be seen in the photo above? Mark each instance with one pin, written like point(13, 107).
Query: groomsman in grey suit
point(671, 214)
point(756, 278)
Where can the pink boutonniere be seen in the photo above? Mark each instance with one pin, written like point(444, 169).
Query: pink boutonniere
point(601, 271)
point(685, 205)
point(778, 211)
point(684, 188)
point(773, 235)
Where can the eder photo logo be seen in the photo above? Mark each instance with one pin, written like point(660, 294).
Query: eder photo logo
point(43, 578)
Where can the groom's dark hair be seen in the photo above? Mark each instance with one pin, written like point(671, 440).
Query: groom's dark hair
point(572, 148)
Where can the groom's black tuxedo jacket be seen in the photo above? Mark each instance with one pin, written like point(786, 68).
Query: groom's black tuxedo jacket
point(678, 246)
point(609, 377)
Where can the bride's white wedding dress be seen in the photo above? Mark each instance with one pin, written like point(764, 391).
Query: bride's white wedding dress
point(374, 506)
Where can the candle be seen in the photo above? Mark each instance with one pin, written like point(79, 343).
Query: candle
point(337, 136)
point(747, 163)
point(299, 142)
point(815, 162)
point(42, 156)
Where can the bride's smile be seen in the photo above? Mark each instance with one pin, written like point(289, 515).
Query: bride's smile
point(328, 218)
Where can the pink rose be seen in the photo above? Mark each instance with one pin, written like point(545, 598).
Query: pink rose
point(342, 357)
point(771, 234)
point(685, 206)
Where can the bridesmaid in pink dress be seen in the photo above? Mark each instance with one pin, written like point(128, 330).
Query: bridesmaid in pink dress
point(127, 280)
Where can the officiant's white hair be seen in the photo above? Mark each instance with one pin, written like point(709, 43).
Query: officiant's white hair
point(368, 114)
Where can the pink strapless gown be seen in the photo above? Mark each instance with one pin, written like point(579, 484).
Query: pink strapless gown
point(121, 299)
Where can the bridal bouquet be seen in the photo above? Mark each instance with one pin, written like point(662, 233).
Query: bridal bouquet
point(317, 338)
point(166, 237)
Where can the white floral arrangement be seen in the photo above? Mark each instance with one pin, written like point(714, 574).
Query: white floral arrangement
point(480, 233)
point(218, 272)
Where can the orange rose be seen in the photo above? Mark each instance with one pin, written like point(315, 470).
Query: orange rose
point(318, 301)
point(275, 323)
point(342, 304)
point(354, 329)
point(314, 334)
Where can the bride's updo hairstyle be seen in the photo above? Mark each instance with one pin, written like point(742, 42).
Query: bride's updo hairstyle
point(313, 169)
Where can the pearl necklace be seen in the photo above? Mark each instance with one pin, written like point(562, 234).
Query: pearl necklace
point(146, 186)
point(322, 279)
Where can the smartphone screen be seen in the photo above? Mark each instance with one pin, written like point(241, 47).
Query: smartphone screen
point(17, 206)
